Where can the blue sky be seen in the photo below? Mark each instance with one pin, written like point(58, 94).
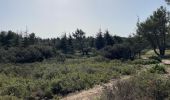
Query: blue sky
point(51, 18)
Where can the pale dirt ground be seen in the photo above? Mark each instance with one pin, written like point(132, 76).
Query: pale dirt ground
point(166, 62)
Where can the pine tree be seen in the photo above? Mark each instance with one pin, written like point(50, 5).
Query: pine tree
point(79, 35)
point(63, 44)
point(168, 2)
point(99, 42)
point(32, 38)
point(9, 39)
point(117, 39)
point(25, 42)
point(70, 44)
point(154, 29)
point(2, 38)
point(17, 40)
point(108, 39)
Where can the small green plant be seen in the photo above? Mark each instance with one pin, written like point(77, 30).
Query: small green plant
point(127, 70)
point(156, 58)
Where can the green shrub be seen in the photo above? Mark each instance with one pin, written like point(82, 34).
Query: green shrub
point(72, 83)
point(34, 53)
point(118, 51)
point(26, 55)
point(156, 58)
point(13, 90)
point(141, 87)
point(7, 97)
point(40, 95)
point(145, 62)
point(101, 59)
point(8, 55)
point(160, 69)
point(127, 70)
point(60, 57)
point(49, 78)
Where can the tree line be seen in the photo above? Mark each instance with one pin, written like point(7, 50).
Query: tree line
point(151, 33)
point(29, 48)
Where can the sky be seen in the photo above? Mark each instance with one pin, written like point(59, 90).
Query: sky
point(52, 18)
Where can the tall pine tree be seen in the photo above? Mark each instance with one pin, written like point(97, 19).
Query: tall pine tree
point(63, 44)
point(79, 36)
point(108, 39)
point(99, 42)
point(70, 45)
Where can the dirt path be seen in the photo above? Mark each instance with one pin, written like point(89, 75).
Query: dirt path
point(93, 93)
point(166, 62)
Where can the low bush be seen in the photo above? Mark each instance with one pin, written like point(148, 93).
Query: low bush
point(142, 87)
point(26, 55)
point(118, 51)
point(101, 59)
point(160, 69)
point(7, 97)
point(50, 78)
point(156, 58)
point(17, 91)
point(145, 62)
point(60, 57)
point(78, 81)
point(127, 70)
point(68, 85)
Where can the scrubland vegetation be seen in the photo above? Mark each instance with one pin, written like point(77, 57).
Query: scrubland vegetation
point(50, 79)
point(144, 86)
point(32, 68)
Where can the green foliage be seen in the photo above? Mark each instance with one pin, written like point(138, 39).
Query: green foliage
point(7, 97)
point(25, 55)
point(145, 62)
point(127, 70)
point(118, 39)
point(154, 29)
point(64, 44)
point(50, 78)
point(160, 69)
point(79, 36)
point(118, 51)
point(101, 59)
point(156, 58)
point(137, 44)
point(71, 83)
point(74, 44)
point(70, 45)
point(144, 86)
point(99, 41)
point(168, 1)
point(108, 39)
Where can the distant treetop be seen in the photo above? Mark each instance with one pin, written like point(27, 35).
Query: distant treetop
point(168, 2)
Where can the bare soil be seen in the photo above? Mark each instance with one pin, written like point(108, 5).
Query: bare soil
point(166, 62)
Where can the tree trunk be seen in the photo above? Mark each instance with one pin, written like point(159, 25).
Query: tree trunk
point(162, 51)
point(139, 54)
point(156, 52)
